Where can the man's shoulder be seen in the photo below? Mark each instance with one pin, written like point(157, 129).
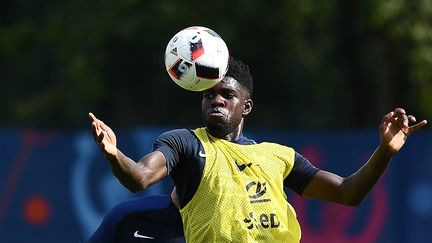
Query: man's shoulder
point(178, 136)
point(179, 132)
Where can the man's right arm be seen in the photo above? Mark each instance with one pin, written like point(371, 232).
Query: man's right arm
point(134, 176)
point(138, 176)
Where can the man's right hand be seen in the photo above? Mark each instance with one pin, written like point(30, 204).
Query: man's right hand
point(104, 137)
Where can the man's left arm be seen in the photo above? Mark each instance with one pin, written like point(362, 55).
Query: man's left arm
point(394, 131)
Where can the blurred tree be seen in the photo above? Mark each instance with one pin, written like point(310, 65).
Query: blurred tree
point(316, 64)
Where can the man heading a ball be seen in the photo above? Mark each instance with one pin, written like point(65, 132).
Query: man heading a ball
point(230, 188)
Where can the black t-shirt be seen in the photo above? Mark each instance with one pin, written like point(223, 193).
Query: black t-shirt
point(185, 163)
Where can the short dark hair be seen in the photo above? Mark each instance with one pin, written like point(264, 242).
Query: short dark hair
point(240, 72)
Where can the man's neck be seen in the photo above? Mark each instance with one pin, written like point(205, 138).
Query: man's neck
point(232, 136)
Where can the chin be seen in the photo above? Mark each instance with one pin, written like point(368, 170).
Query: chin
point(218, 129)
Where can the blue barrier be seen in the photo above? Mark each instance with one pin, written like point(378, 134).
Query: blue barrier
point(56, 186)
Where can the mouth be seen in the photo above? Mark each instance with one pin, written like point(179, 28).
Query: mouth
point(216, 112)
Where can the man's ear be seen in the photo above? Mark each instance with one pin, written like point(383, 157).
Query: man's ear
point(247, 107)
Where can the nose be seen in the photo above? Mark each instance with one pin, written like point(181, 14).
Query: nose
point(218, 100)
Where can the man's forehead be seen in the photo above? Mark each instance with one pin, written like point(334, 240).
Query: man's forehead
point(229, 81)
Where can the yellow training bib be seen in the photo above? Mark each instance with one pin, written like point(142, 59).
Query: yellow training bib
point(240, 197)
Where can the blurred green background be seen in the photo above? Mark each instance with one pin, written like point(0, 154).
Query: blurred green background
point(316, 64)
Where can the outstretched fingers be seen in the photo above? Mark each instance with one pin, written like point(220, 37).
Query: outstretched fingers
point(417, 126)
point(407, 119)
point(98, 128)
point(100, 124)
point(92, 117)
point(95, 131)
point(399, 118)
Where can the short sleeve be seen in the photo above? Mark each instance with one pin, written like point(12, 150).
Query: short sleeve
point(301, 174)
point(173, 145)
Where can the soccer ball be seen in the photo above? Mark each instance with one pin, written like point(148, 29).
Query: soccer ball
point(196, 58)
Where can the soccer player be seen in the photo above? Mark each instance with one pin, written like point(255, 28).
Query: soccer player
point(231, 189)
point(147, 218)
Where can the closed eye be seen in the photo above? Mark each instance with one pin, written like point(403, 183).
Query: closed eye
point(208, 96)
point(229, 96)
